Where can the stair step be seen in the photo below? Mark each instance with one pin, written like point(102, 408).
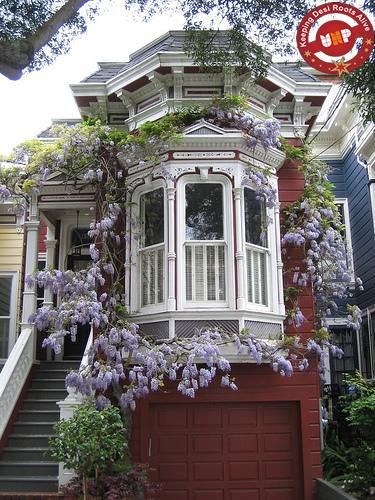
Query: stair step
point(16, 484)
point(59, 365)
point(39, 428)
point(8, 468)
point(28, 440)
point(48, 383)
point(56, 394)
point(39, 404)
point(47, 374)
point(39, 415)
point(36, 496)
point(13, 454)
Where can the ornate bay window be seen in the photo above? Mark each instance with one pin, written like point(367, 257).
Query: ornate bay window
point(204, 255)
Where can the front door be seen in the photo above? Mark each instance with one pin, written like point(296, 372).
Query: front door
point(75, 350)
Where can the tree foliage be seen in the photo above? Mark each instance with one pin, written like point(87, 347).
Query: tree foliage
point(90, 441)
point(34, 32)
point(352, 464)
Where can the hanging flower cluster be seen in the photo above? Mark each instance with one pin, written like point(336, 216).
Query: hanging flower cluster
point(124, 365)
point(314, 223)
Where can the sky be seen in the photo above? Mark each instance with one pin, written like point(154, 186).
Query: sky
point(28, 105)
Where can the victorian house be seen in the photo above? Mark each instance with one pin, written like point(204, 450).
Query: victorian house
point(190, 268)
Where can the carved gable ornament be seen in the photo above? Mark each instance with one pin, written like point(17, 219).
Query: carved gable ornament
point(203, 128)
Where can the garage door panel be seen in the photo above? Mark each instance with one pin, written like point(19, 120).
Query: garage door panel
point(243, 470)
point(210, 417)
point(244, 494)
point(207, 444)
point(176, 494)
point(242, 416)
point(242, 443)
point(274, 415)
point(173, 471)
point(278, 442)
point(173, 417)
point(279, 469)
point(279, 494)
point(208, 471)
point(209, 495)
point(176, 444)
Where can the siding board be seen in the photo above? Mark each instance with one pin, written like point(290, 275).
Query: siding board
point(356, 189)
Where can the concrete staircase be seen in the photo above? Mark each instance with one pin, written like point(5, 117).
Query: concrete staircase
point(24, 464)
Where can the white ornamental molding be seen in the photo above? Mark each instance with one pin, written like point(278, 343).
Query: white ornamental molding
point(183, 170)
point(137, 182)
point(145, 165)
point(225, 170)
point(204, 155)
point(159, 85)
point(274, 100)
point(127, 101)
point(68, 197)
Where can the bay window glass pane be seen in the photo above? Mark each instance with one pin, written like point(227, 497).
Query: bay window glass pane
point(255, 219)
point(5, 295)
point(204, 211)
point(152, 218)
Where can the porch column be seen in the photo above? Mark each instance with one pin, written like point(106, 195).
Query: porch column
point(240, 254)
point(31, 262)
point(67, 407)
point(171, 194)
point(50, 244)
point(127, 263)
point(281, 305)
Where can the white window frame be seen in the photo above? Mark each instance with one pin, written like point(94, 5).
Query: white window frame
point(13, 308)
point(228, 225)
point(268, 259)
point(135, 287)
point(348, 236)
point(371, 336)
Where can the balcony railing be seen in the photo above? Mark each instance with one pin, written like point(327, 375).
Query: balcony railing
point(152, 275)
point(257, 264)
point(205, 272)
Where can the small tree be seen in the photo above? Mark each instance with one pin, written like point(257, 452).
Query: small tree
point(89, 442)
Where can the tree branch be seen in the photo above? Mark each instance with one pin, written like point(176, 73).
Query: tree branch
point(44, 34)
point(16, 55)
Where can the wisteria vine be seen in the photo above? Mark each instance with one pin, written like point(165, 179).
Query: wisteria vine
point(124, 365)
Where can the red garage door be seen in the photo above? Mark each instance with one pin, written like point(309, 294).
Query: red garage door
point(242, 451)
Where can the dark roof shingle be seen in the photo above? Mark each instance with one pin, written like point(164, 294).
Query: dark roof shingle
point(174, 41)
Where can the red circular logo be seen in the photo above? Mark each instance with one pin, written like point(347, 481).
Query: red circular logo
point(335, 38)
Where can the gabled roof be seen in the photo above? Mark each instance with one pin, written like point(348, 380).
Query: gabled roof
point(174, 41)
point(48, 132)
point(295, 72)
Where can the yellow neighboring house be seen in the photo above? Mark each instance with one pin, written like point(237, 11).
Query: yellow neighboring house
point(11, 259)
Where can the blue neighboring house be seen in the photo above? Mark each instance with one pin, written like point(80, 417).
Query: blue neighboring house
point(348, 146)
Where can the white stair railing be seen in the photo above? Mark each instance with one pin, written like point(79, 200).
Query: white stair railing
point(14, 374)
point(70, 403)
